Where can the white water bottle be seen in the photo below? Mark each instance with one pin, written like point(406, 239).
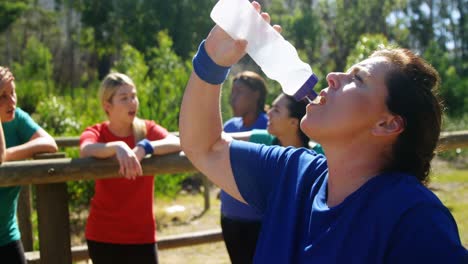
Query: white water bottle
point(276, 56)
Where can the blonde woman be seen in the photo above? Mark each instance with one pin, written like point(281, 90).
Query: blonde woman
point(121, 225)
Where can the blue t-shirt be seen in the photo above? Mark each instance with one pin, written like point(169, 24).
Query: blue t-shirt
point(230, 207)
point(390, 219)
point(17, 132)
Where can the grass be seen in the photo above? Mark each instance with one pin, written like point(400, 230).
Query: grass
point(451, 186)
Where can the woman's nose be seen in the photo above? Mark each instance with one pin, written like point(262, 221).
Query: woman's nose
point(12, 99)
point(333, 79)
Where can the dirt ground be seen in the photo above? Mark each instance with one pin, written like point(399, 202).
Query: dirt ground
point(182, 215)
point(190, 220)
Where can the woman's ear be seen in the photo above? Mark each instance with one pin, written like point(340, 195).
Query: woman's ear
point(106, 106)
point(294, 122)
point(389, 125)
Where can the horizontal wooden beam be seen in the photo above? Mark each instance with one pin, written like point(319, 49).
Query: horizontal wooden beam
point(66, 169)
point(453, 140)
point(80, 253)
point(190, 239)
point(67, 141)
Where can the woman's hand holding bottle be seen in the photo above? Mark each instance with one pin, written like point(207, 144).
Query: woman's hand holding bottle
point(224, 50)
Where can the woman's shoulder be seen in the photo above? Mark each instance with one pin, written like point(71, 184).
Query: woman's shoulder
point(233, 124)
point(417, 220)
point(99, 126)
point(97, 129)
point(150, 124)
point(400, 193)
point(155, 131)
point(21, 115)
point(19, 111)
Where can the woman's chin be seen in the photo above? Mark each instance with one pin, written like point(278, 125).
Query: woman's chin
point(270, 130)
point(8, 118)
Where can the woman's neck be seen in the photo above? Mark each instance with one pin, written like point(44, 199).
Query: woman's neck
point(249, 119)
point(290, 140)
point(120, 129)
point(350, 166)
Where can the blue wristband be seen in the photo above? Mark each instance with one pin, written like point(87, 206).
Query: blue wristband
point(207, 69)
point(146, 145)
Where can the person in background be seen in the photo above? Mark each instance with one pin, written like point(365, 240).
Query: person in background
point(20, 138)
point(365, 202)
point(283, 128)
point(121, 226)
point(241, 223)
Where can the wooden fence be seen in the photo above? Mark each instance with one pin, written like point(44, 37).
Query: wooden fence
point(50, 174)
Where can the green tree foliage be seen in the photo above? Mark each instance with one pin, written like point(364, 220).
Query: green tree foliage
point(34, 75)
point(454, 85)
point(115, 22)
point(56, 118)
point(366, 44)
point(347, 20)
point(10, 10)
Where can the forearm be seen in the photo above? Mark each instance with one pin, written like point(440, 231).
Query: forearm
point(200, 128)
point(170, 144)
point(100, 150)
point(28, 149)
point(200, 121)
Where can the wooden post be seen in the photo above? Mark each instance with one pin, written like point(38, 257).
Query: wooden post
point(24, 210)
point(24, 217)
point(54, 222)
point(206, 191)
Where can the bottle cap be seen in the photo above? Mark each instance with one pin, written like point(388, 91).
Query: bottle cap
point(307, 89)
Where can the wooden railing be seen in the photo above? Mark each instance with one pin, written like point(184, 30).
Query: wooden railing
point(50, 174)
point(453, 140)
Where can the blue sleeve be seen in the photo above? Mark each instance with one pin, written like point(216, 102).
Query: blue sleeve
point(427, 234)
point(254, 170)
point(261, 172)
point(25, 125)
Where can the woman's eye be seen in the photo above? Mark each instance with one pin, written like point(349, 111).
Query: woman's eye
point(357, 78)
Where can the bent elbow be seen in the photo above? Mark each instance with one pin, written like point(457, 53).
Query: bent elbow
point(52, 148)
point(186, 148)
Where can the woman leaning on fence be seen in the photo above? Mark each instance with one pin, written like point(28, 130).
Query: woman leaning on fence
point(121, 225)
point(20, 138)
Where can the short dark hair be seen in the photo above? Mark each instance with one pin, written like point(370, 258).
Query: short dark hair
point(412, 85)
point(254, 82)
point(297, 109)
